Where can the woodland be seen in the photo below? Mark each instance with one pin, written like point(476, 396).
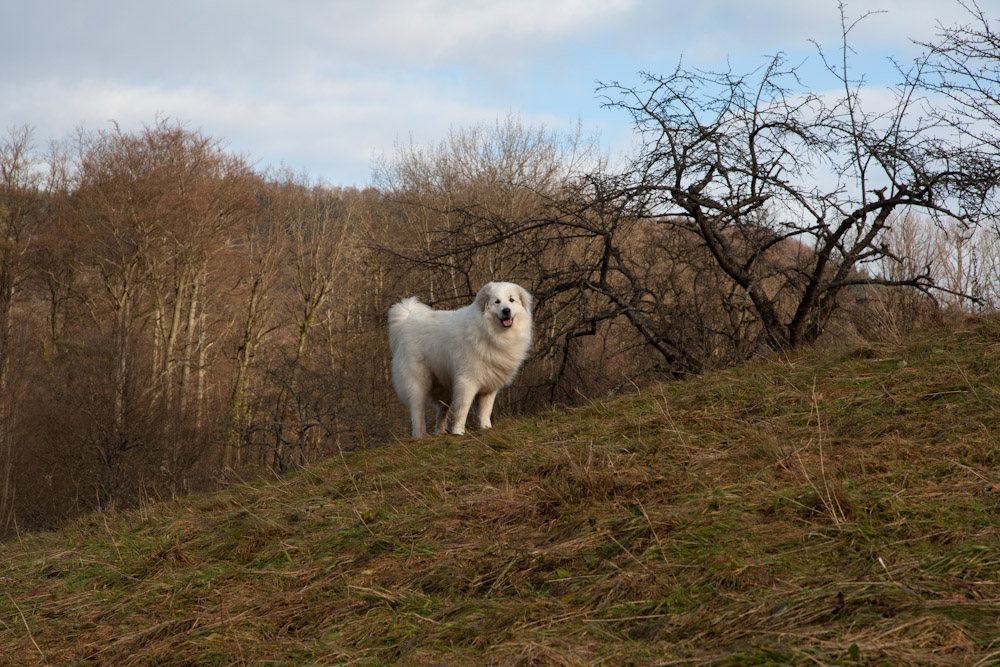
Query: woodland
point(174, 318)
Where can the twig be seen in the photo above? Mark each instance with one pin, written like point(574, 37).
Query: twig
point(502, 575)
point(831, 503)
point(653, 530)
point(112, 537)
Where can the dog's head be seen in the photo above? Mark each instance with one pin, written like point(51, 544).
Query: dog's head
point(505, 304)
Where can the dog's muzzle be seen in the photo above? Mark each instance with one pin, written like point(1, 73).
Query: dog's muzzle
point(506, 318)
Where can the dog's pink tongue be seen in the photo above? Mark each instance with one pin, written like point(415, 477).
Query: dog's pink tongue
point(507, 323)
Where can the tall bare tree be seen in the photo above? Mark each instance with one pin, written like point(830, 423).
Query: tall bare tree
point(259, 256)
point(20, 208)
point(455, 199)
point(156, 207)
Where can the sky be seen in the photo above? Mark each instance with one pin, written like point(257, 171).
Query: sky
point(330, 87)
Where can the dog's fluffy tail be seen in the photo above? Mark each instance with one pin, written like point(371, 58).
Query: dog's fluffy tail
point(399, 312)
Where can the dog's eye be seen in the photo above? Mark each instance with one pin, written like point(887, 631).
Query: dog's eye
point(498, 300)
point(512, 299)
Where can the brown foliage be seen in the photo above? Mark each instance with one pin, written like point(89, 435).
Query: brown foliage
point(172, 318)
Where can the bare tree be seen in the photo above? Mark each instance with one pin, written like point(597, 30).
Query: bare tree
point(963, 68)
point(117, 235)
point(302, 390)
point(960, 72)
point(20, 208)
point(56, 265)
point(454, 200)
point(154, 208)
point(751, 162)
point(261, 253)
point(321, 229)
point(205, 196)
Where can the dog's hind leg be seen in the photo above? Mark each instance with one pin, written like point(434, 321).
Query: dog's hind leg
point(418, 394)
point(417, 418)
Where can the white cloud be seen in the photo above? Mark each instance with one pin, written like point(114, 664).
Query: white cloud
point(433, 31)
point(324, 85)
point(333, 127)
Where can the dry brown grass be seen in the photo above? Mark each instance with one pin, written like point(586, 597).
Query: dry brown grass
point(828, 508)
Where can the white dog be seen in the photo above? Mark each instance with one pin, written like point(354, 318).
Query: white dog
point(452, 357)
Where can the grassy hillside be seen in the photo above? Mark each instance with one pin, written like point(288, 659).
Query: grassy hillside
point(828, 507)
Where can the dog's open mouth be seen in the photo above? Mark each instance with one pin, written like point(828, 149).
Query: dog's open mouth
point(507, 323)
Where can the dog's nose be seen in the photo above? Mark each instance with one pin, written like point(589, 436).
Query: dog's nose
point(505, 311)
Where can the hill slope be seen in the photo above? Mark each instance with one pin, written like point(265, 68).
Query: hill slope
point(831, 507)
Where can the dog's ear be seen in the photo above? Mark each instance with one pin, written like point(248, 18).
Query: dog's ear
point(525, 297)
point(483, 298)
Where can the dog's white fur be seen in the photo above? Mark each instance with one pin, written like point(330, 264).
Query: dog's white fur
point(452, 357)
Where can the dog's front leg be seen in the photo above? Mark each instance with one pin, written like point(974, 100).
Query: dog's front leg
point(464, 394)
point(486, 409)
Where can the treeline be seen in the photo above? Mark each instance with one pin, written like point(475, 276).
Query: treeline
point(172, 318)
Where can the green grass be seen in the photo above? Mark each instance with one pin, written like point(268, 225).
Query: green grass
point(828, 507)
